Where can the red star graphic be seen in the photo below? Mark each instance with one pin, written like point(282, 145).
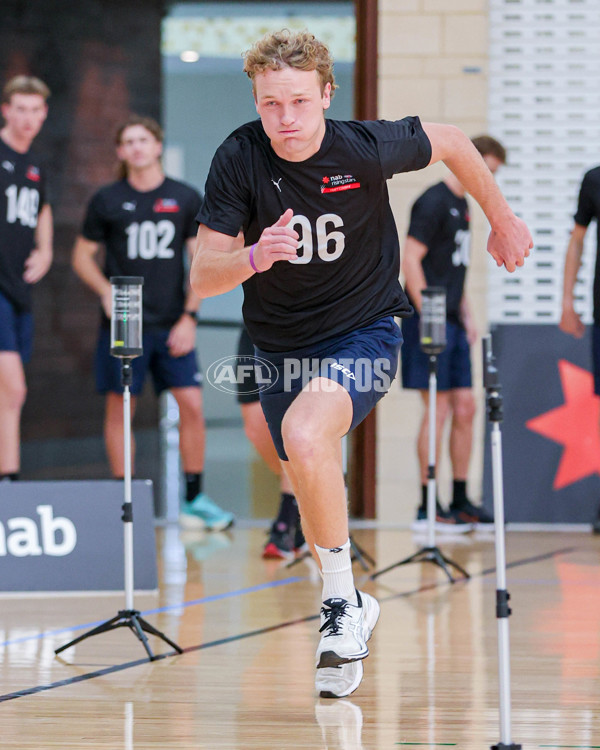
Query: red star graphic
point(326, 180)
point(575, 425)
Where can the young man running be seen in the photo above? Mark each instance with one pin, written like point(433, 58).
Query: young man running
point(320, 271)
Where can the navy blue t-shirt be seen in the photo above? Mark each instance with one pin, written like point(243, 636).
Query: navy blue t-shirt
point(145, 234)
point(440, 220)
point(23, 192)
point(346, 275)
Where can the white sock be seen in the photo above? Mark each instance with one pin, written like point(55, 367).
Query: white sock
point(336, 565)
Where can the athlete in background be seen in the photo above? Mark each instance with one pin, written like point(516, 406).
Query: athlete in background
point(146, 223)
point(588, 210)
point(25, 250)
point(437, 252)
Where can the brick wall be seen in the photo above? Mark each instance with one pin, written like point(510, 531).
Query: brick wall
point(101, 60)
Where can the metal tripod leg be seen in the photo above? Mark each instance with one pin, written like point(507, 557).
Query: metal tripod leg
point(359, 553)
point(429, 554)
point(126, 618)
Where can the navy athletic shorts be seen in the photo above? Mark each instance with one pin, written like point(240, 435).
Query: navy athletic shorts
point(249, 393)
point(16, 329)
point(596, 357)
point(364, 362)
point(454, 363)
point(167, 371)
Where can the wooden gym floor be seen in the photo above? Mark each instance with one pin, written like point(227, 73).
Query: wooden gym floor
point(249, 630)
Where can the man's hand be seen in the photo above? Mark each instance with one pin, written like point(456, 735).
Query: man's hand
point(509, 242)
point(182, 337)
point(277, 242)
point(571, 323)
point(37, 266)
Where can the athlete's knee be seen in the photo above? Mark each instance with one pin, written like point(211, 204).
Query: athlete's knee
point(189, 402)
point(300, 439)
point(13, 394)
point(255, 431)
point(442, 409)
point(464, 409)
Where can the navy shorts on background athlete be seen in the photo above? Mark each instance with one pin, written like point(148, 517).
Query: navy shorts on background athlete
point(167, 371)
point(454, 363)
point(16, 330)
point(364, 362)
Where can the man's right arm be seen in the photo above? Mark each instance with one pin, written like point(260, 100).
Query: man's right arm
point(570, 321)
point(85, 266)
point(220, 265)
point(509, 242)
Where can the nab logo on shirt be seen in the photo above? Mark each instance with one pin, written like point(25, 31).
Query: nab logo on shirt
point(166, 206)
point(33, 173)
point(21, 536)
point(339, 182)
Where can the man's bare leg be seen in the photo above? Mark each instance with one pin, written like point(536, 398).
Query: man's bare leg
point(113, 434)
point(192, 429)
point(13, 392)
point(462, 404)
point(312, 430)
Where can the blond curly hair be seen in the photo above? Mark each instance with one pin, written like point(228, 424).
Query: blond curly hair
point(300, 50)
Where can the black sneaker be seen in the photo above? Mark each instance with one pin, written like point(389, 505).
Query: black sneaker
point(469, 513)
point(300, 545)
point(280, 545)
point(445, 522)
point(596, 524)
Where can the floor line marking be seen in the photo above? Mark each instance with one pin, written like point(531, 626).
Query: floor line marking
point(252, 633)
point(182, 605)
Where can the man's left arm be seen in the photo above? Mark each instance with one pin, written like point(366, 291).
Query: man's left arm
point(509, 242)
point(40, 258)
point(182, 336)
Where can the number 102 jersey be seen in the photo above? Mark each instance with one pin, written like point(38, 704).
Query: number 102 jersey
point(145, 234)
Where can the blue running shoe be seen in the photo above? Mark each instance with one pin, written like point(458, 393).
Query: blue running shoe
point(203, 513)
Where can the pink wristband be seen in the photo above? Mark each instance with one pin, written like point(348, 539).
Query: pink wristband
point(254, 268)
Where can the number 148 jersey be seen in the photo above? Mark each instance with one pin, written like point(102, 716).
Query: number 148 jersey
point(346, 273)
point(22, 195)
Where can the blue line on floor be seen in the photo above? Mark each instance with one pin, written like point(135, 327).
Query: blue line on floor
point(260, 631)
point(182, 605)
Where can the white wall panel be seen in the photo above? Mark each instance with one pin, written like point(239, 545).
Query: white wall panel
point(544, 105)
